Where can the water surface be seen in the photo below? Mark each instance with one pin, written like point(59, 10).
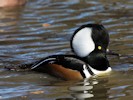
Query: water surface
point(24, 39)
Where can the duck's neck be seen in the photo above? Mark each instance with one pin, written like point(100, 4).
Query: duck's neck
point(97, 63)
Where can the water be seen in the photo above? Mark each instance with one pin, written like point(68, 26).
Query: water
point(24, 39)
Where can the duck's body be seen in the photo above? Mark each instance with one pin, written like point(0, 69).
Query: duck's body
point(89, 43)
point(68, 67)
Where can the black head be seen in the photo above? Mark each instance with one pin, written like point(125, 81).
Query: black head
point(90, 42)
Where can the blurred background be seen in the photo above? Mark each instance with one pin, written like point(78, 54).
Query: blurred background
point(44, 27)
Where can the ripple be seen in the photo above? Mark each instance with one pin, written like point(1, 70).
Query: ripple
point(23, 40)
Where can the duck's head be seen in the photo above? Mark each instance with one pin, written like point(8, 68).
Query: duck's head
point(90, 43)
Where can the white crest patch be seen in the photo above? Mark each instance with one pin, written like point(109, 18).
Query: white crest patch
point(82, 42)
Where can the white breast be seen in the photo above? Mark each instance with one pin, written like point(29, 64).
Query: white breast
point(96, 72)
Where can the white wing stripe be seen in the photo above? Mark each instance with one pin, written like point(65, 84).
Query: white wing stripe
point(45, 60)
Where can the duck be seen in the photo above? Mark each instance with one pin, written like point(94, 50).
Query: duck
point(89, 44)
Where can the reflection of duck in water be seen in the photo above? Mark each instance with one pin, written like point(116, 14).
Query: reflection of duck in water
point(83, 89)
point(89, 43)
point(87, 89)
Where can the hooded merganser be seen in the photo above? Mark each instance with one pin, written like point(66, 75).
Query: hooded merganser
point(89, 44)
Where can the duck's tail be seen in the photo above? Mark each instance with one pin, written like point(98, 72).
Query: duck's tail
point(22, 67)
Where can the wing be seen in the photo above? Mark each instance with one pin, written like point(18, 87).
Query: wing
point(64, 66)
point(67, 61)
point(67, 67)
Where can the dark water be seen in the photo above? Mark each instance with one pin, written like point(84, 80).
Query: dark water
point(24, 39)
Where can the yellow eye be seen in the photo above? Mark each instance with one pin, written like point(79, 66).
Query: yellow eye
point(99, 47)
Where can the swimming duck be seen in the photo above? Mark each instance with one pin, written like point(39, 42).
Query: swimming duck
point(89, 44)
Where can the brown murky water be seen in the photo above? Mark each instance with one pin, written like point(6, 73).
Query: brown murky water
point(23, 40)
